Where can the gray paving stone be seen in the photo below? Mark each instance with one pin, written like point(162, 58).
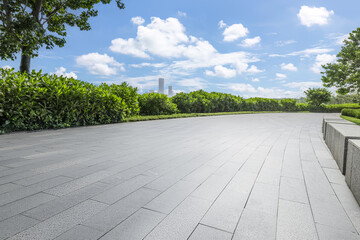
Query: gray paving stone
point(119, 211)
point(51, 208)
point(329, 233)
point(80, 232)
point(8, 187)
point(24, 204)
point(14, 225)
point(293, 189)
point(55, 226)
point(264, 198)
point(182, 221)
point(207, 233)
point(136, 227)
point(295, 221)
point(172, 197)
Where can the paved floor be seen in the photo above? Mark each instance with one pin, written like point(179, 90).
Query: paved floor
point(263, 176)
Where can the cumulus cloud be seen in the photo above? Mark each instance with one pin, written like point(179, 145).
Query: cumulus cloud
point(193, 83)
point(254, 69)
point(6, 67)
point(303, 85)
point(61, 71)
point(146, 64)
point(222, 24)
point(255, 80)
point(220, 71)
point(100, 64)
point(305, 53)
point(280, 76)
point(310, 16)
point(284, 43)
point(137, 20)
point(288, 67)
point(181, 14)
point(251, 42)
point(235, 32)
point(322, 59)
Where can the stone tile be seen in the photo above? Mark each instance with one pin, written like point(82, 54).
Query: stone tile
point(55, 226)
point(329, 233)
point(8, 187)
point(180, 223)
point(207, 233)
point(172, 197)
point(14, 225)
point(264, 198)
point(293, 189)
point(295, 221)
point(80, 232)
point(335, 176)
point(137, 226)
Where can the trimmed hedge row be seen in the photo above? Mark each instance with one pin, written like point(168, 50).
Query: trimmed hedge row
point(355, 113)
point(37, 101)
point(156, 104)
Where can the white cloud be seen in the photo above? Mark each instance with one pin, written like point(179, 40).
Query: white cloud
point(146, 64)
point(303, 85)
point(288, 67)
point(220, 71)
point(222, 24)
point(248, 90)
point(100, 64)
point(235, 32)
point(250, 42)
point(128, 47)
point(305, 53)
point(280, 76)
point(255, 80)
point(340, 39)
point(254, 69)
point(6, 67)
point(322, 59)
point(284, 43)
point(181, 14)
point(193, 83)
point(137, 20)
point(61, 71)
point(310, 16)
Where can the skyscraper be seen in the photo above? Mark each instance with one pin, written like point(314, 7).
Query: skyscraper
point(170, 91)
point(161, 85)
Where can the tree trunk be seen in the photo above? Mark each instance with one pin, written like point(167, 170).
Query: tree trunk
point(25, 62)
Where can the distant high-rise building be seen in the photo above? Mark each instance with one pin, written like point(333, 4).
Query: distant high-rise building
point(170, 91)
point(161, 85)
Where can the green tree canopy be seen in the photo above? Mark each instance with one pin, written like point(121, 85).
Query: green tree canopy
point(317, 96)
point(27, 25)
point(344, 74)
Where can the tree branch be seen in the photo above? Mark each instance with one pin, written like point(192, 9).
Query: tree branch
point(7, 11)
point(37, 9)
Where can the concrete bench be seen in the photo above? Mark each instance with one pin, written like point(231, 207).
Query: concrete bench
point(333, 119)
point(337, 137)
point(352, 175)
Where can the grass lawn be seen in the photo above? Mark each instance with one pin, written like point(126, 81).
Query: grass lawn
point(351, 119)
point(186, 115)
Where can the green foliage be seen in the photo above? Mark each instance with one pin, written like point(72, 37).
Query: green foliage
point(156, 104)
point(335, 108)
point(317, 96)
point(348, 98)
point(344, 74)
point(351, 112)
point(37, 101)
point(28, 25)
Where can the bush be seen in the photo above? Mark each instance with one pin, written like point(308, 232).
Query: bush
point(335, 108)
point(317, 96)
point(355, 113)
point(36, 101)
point(302, 107)
point(156, 104)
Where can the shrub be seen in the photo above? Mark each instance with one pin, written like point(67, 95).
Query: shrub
point(335, 108)
point(36, 101)
point(156, 104)
point(302, 107)
point(351, 112)
point(288, 105)
point(317, 96)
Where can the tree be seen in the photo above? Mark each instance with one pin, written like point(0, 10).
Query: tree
point(27, 25)
point(317, 96)
point(344, 74)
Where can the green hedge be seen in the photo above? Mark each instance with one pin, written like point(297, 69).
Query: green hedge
point(335, 108)
point(156, 104)
point(351, 113)
point(40, 101)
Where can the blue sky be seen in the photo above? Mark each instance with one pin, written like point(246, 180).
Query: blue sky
point(248, 48)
